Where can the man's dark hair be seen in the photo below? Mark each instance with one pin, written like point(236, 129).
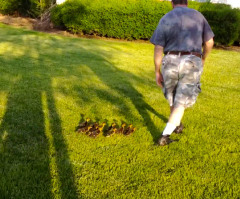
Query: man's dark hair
point(182, 2)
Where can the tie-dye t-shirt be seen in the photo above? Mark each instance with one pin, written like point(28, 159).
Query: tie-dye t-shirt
point(182, 29)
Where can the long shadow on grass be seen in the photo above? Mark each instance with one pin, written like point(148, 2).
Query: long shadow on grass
point(24, 156)
point(34, 161)
point(121, 81)
point(91, 54)
point(34, 156)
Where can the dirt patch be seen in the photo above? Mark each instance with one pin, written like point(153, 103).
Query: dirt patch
point(31, 24)
point(231, 48)
point(18, 21)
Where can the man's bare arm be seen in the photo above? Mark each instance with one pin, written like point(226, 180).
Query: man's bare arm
point(207, 49)
point(158, 53)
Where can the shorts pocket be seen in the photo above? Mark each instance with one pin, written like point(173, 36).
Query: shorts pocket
point(197, 64)
point(197, 89)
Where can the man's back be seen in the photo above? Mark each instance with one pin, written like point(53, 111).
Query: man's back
point(182, 29)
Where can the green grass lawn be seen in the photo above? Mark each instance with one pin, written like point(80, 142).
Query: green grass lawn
point(47, 82)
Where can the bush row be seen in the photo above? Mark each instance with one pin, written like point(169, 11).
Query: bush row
point(224, 21)
point(225, 24)
point(137, 19)
point(127, 19)
point(32, 8)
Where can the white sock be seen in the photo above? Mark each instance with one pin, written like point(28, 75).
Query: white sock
point(169, 129)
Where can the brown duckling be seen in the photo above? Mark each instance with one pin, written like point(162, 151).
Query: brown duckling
point(93, 126)
point(121, 130)
point(85, 129)
point(130, 129)
point(82, 126)
point(110, 128)
point(98, 130)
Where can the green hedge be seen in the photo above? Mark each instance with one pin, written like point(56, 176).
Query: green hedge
point(127, 19)
point(137, 19)
point(238, 40)
point(225, 24)
point(224, 21)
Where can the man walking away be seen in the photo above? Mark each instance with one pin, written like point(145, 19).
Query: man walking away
point(180, 34)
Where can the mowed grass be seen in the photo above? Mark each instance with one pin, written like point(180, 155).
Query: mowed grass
point(48, 81)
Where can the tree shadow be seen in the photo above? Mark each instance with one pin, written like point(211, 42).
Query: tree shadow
point(28, 167)
point(25, 144)
point(120, 81)
point(26, 157)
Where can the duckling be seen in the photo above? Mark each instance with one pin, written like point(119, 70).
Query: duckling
point(110, 128)
point(82, 126)
point(102, 127)
point(85, 129)
point(98, 130)
point(94, 127)
point(111, 132)
point(121, 130)
point(114, 131)
point(130, 129)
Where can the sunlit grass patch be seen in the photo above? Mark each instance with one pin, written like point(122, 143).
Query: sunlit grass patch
point(47, 82)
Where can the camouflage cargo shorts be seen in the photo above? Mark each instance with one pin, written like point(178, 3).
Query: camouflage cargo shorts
point(181, 76)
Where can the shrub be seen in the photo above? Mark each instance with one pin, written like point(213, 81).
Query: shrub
point(56, 16)
point(212, 6)
point(194, 5)
point(73, 14)
point(120, 19)
point(31, 8)
point(8, 6)
point(137, 19)
point(238, 40)
point(225, 25)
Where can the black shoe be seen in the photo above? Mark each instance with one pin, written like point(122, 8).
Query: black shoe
point(179, 129)
point(164, 140)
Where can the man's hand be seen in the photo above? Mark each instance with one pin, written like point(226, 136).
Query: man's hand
point(159, 79)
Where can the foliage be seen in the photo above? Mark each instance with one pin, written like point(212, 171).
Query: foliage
point(8, 6)
point(127, 19)
point(57, 16)
point(212, 6)
point(238, 40)
point(194, 5)
point(225, 24)
point(137, 19)
point(31, 8)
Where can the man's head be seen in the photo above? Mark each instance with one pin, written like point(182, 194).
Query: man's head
point(180, 2)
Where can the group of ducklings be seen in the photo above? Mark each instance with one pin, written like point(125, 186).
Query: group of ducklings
point(94, 129)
